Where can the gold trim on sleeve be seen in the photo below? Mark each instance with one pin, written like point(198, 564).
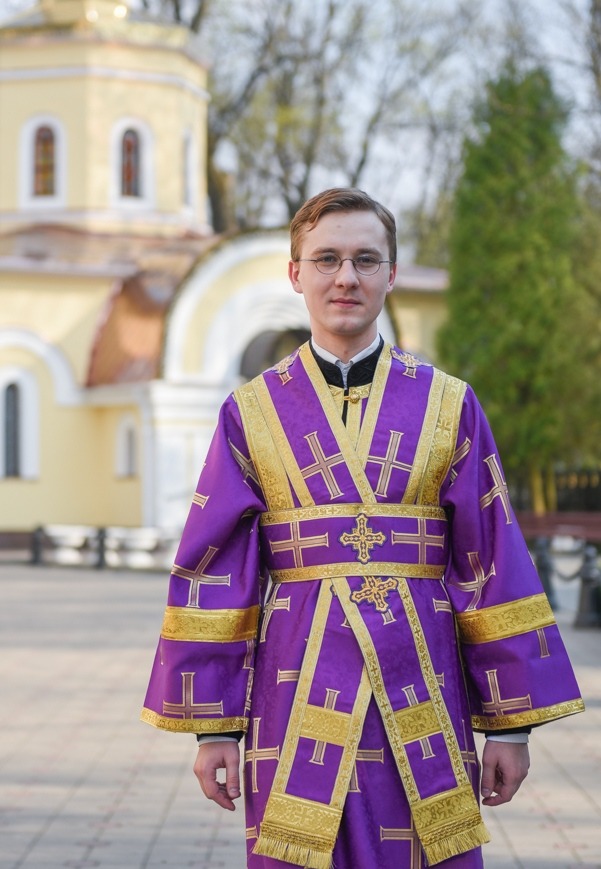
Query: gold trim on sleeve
point(523, 719)
point(444, 440)
point(196, 725)
point(188, 624)
point(505, 620)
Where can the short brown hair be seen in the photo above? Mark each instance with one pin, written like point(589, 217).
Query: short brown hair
point(338, 199)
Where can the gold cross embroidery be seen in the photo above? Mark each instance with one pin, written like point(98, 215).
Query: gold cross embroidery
point(409, 835)
point(273, 605)
point(421, 539)
point(322, 465)
point(375, 591)
point(389, 463)
point(255, 754)
point(499, 490)
point(375, 755)
point(468, 757)
point(363, 539)
point(296, 543)
point(245, 465)
point(425, 743)
point(479, 581)
point(498, 706)
point(188, 709)
point(198, 577)
point(460, 453)
point(320, 747)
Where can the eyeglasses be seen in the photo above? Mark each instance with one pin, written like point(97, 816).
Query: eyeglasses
point(330, 263)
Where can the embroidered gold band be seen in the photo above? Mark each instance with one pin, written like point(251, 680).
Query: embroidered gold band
point(505, 620)
point(449, 823)
point(265, 457)
point(351, 511)
point(353, 568)
point(195, 725)
point(209, 626)
point(532, 716)
point(417, 722)
point(326, 725)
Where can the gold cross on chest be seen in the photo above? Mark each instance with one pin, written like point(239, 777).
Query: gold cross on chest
point(188, 709)
point(296, 543)
point(198, 577)
point(498, 706)
point(363, 539)
point(389, 463)
point(255, 754)
point(323, 465)
point(421, 539)
point(499, 490)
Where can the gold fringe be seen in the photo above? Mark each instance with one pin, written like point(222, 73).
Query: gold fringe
point(458, 843)
point(292, 852)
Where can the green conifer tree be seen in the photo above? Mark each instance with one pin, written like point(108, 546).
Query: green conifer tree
point(515, 309)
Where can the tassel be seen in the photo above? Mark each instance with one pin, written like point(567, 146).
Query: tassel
point(292, 852)
point(457, 843)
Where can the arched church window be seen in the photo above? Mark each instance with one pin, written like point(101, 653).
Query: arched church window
point(12, 431)
point(44, 162)
point(187, 170)
point(131, 164)
point(126, 455)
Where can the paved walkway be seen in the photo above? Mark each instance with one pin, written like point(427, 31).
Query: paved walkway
point(84, 784)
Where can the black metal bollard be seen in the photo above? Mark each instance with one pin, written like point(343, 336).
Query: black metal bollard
point(101, 548)
point(545, 567)
point(589, 614)
point(37, 545)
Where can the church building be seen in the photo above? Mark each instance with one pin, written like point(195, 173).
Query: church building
point(124, 320)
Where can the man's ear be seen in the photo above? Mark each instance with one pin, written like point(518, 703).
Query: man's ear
point(293, 270)
point(391, 278)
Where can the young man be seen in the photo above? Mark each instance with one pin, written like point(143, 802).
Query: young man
point(403, 609)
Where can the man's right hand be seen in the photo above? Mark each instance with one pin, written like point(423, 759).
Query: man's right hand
point(211, 757)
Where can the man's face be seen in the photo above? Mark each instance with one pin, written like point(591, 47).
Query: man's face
point(343, 307)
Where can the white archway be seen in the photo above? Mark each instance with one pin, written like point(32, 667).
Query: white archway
point(66, 389)
point(255, 307)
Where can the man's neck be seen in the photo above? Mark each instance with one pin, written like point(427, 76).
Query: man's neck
point(349, 354)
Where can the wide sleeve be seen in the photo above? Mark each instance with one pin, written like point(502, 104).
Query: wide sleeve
point(517, 670)
point(201, 677)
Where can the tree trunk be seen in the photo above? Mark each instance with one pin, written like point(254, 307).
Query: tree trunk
point(537, 491)
point(551, 489)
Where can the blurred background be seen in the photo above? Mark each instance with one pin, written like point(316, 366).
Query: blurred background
point(152, 155)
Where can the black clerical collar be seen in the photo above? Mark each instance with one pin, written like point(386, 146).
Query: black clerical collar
point(361, 373)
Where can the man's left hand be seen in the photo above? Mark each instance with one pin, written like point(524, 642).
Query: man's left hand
point(504, 768)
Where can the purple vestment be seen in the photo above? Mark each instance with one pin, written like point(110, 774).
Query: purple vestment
point(405, 611)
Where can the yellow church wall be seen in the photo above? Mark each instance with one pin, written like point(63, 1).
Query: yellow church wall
point(417, 318)
point(77, 482)
point(88, 106)
point(262, 269)
point(62, 310)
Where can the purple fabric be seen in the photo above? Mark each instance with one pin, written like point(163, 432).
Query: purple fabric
point(228, 522)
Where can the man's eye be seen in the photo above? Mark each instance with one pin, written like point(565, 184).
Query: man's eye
point(367, 259)
point(328, 259)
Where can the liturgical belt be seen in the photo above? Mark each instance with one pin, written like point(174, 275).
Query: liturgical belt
point(321, 542)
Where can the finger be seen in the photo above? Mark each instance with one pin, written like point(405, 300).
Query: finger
point(232, 778)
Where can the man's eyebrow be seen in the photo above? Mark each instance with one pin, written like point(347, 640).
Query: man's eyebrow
point(358, 251)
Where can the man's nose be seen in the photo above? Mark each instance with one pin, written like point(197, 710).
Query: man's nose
point(347, 273)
